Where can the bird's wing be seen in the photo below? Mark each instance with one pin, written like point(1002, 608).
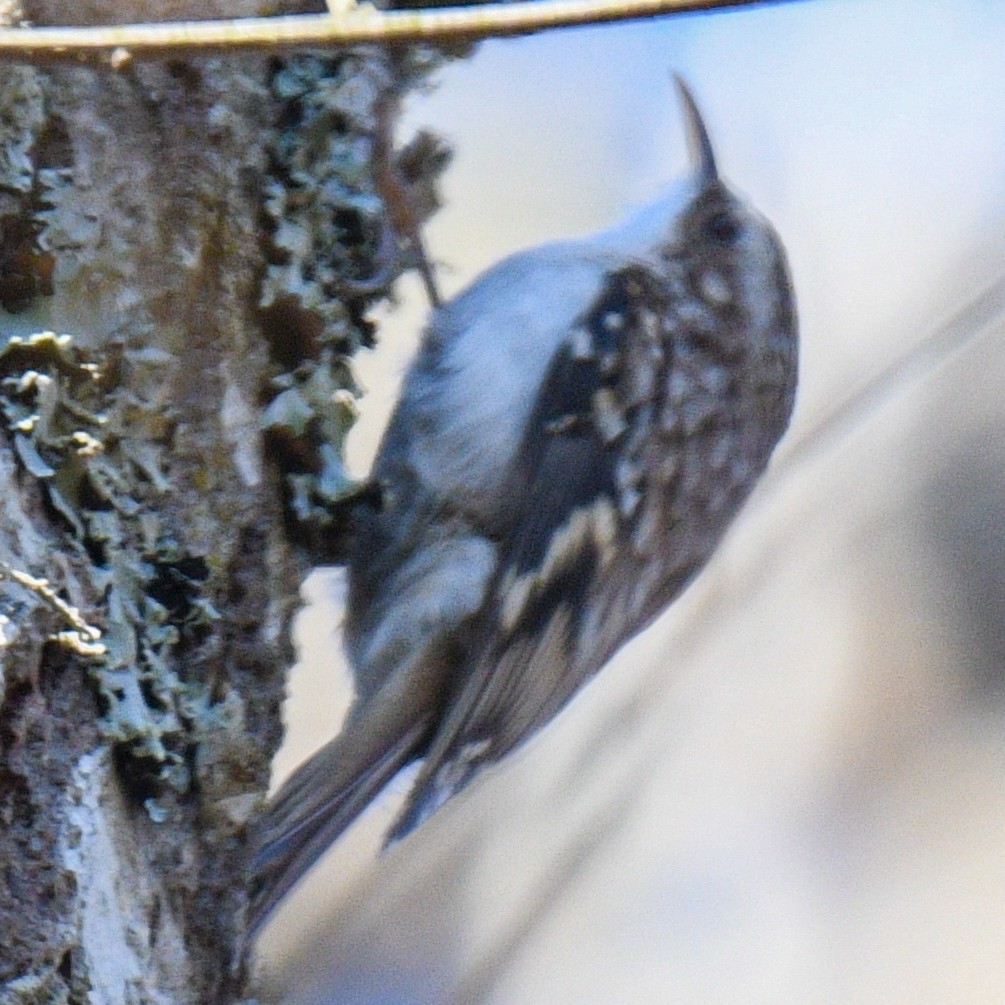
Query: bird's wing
point(578, 573)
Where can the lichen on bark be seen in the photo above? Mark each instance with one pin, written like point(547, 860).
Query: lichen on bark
point(332, 246)
point(155, 312)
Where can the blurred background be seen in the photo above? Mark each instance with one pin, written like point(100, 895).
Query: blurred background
point(792, 788)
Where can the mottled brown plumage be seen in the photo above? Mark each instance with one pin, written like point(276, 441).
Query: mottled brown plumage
point(577, 432)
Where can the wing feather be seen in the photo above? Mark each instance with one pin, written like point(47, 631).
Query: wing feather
point(565, 592)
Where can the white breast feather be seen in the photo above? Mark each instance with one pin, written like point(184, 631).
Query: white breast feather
point(513, 320)
point(500, 336)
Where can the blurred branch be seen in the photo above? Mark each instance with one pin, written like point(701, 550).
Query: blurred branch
point(363, 23)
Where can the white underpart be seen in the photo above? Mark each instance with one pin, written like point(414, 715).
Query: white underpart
point(513, 320)
point(650, 225)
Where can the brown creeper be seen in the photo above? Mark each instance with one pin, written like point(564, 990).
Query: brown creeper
point(575, 435)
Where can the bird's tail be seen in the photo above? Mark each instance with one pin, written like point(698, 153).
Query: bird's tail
point(321, 799)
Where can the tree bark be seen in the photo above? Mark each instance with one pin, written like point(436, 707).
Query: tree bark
point(183, 226)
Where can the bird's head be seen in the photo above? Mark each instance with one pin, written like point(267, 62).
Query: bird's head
point(723, 258)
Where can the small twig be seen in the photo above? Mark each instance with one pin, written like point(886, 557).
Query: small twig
point(403, 217)
point(364, 23)
point(83, 638)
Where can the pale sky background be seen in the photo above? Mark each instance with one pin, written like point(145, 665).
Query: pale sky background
point(790, 789)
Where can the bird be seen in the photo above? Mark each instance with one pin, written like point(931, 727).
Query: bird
point(575, 434)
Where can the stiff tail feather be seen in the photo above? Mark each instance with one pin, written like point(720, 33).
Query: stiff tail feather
point(315, 805)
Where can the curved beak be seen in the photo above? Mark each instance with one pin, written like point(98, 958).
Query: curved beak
point(698, 144)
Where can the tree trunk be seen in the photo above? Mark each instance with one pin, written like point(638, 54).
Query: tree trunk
point(183, 226)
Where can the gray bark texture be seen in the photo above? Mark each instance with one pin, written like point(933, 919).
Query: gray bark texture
point(173, 394)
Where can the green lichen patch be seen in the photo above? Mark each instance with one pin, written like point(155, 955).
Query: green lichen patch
point(325, 221)
point(306, 423)
point(68, 424)
point(22, 114)
point(324, 216)
point(43, 988)
point(32, 162)
point(331, 248)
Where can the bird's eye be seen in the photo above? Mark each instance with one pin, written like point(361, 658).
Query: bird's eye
point(723, 227)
